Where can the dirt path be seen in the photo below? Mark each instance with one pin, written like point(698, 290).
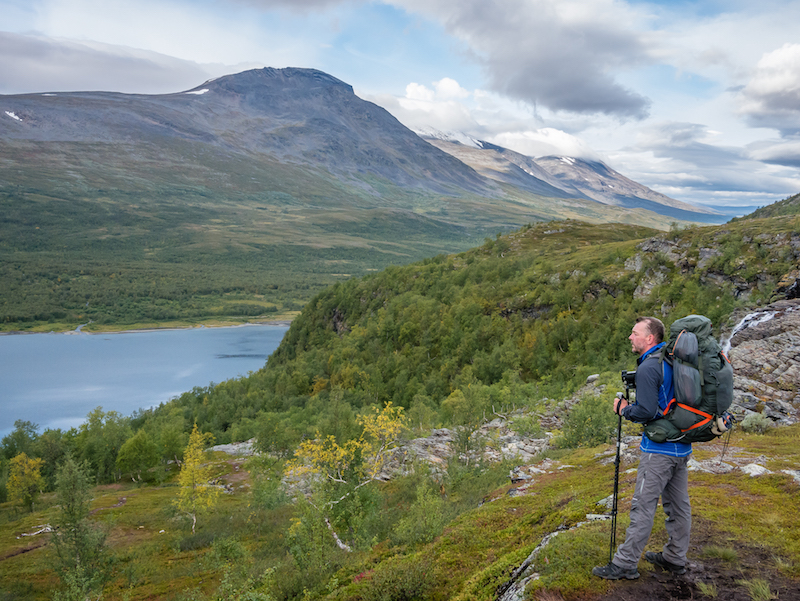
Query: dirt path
point(20, 550)
point(727, 578)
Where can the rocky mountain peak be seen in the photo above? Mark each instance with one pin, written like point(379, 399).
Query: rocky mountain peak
point(270, 81)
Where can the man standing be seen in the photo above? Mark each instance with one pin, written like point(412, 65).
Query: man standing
point(663, 470)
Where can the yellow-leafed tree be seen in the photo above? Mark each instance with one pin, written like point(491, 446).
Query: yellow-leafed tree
point(349, 466)
point(196, 494)
point(357, 461)
point(25, 480)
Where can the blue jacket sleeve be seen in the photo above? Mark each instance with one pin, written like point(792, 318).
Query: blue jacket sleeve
point(648, 381)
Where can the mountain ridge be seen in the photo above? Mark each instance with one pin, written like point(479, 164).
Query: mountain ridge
point(308, 117)
point(562, 176)
point(299, 115)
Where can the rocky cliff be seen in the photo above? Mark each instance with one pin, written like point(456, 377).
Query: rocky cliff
point(765, 353)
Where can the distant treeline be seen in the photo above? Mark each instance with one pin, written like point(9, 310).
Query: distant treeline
point(120, 259)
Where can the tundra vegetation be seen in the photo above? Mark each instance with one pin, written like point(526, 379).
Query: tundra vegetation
point(129, 260)
point(515, 325)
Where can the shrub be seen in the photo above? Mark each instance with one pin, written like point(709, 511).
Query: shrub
point(228, 550)
point(528, 426)
point(424, 520)
point(399, 580)
point(196, 541)
point(82, 558)
point(590, 422)
point(756, 423)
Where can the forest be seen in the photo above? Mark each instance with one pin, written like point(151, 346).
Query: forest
point(125, 260)
point(514, 325)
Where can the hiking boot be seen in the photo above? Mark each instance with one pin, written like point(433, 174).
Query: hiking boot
point(658, 559)
point(614, 572)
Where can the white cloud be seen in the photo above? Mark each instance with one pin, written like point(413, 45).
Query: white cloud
point(448, 88)
point(40, 64)
point(227, 33)
point(544, 142)
point(417, 113)
point(772, 97)
point(563, 55)
point(781, 152)
point(450, 108)
point(443, 107)
point(418, 92)
point(682, 160)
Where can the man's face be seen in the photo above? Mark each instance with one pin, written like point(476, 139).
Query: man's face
point(641, 338)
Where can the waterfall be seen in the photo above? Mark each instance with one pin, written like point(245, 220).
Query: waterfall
point(750, 320)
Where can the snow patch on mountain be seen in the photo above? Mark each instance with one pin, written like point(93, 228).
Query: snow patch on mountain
point(449, 136)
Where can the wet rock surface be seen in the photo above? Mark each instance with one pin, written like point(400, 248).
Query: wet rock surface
point(766, 362)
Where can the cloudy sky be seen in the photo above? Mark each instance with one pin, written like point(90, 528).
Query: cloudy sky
point(699, 100)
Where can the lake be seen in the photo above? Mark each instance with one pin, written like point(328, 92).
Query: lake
point(55, 380)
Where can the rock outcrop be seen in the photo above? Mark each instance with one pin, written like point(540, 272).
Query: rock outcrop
point(765, 354)
point(655, 254)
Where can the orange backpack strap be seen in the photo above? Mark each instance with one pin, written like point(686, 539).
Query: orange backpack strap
point(707, 417)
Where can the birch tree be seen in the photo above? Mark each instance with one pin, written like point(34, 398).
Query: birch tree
point(83, 562)
point(25, 480)
point(196, 494)
point(342, 469)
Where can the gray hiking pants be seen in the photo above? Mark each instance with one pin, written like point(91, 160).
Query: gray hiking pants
point(666, 477)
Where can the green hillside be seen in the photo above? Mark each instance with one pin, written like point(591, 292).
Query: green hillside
point(510, 328)
point(787, 207)
point(526, 315)
point(130, 259)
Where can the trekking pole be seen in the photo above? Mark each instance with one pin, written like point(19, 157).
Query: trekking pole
point(616, 482)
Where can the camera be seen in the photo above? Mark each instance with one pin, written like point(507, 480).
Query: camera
point(629, 379)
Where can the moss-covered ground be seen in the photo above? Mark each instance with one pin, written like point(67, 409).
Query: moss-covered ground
point(744, 537)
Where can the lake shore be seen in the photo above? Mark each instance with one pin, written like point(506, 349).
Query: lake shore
point(91, 328)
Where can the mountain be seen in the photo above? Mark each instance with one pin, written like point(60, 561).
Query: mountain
point(280, 117)
point(295, 116)
point(564, 177)
point(238, 198)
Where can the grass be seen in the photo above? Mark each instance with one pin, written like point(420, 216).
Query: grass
point(758, 589)
point(707, 589)
point(723, 553)
point(763, 507)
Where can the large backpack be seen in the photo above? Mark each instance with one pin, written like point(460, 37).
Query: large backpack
point(703, 379)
